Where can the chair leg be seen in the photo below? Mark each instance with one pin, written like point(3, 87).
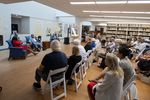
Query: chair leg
point(75, 82)
point(9, 58)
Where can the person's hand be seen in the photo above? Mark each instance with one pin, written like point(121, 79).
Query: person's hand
point(100, 81)
point(94, 80)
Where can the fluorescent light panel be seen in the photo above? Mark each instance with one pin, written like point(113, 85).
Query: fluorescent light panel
point(138, 2)
point(112, 2)
point(110, 11)
point(133, 12)
point(92, 11)
point(82, 3)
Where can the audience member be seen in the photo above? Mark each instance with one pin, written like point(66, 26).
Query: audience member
point(118, 42)
point(72, 61)
point(142, 64)
point(33, 40)
point(111, 86)
point(88, 46)
point(81, 48)
point(134, 42)
point(93, 42)
point(124, 63)
point(110, 45)
point(17, 43)
point(54, 60)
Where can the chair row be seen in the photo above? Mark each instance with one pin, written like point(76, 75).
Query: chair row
point(83, 65)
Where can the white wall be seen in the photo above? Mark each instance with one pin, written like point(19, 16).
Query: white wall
point(25, 25)
point(35, 11)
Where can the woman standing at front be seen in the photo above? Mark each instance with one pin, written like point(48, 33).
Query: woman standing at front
point(112, 84)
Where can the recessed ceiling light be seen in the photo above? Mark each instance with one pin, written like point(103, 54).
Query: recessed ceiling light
point(112, 2)
point(110, 11)
point(92, 11)
point(133, 12)
point(73, 3)
point(95, 16)
point(147, 12)
point(143, 17)
point(110, 16)
point(138, 2)
point(125, 17)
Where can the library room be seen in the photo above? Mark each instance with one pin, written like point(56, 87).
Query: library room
point(74, 49)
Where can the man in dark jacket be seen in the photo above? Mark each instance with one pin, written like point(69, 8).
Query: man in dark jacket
point(88, 46)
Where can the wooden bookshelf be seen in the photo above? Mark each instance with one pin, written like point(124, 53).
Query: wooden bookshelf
point(123, 31)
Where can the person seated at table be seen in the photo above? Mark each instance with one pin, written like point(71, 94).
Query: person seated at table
point(72, 61)
point(111, 87)
point(33, 40)
point(17, 43)
point(51, 61)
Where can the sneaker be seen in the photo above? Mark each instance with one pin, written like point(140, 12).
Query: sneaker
point(93, 61)
point(96, 63)
point(37, 86)
point(44, 49)
point(38, 50)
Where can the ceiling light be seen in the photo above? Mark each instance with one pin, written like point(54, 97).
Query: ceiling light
point(125, 17)
point(110, 16)
point(82, 3)
point(102, 24)
point(95, 16)
point(110, 11)
point(112, 2)
point(143, 17)
point(133, 12)
point(138, 2)
point(147, 12)
point(92, 11)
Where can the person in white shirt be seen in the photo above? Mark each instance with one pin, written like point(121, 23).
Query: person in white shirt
point(81, 48)
point(134, 42)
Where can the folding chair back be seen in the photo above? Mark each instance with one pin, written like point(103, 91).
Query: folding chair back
point(55, 83)
point(74, 74)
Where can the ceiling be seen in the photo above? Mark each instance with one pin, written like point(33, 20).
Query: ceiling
point(77, 10)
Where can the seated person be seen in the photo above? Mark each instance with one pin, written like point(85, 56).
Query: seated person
point(17, 43)
point(72, 61)
point(33, 40)
point(124, 63)
point(81, 48)
point(95, 61)
point(129, 41)
point(88, 46)
point(142, 63)
point(134, 42)
point(112, 84)
point(54, 37)
point(93, 42)
point(110, 45)
point(54, 60)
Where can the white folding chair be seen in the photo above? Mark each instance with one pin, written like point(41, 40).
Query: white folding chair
point(89, 61)
point(55, 83)
point(130, 80)
point(74, 74)
point(83, 66)
point(131, 89)
point(128, 85)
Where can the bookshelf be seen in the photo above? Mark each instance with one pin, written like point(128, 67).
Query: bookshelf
point(123, 31)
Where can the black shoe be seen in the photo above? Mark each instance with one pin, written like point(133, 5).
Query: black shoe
point(93, 61)
point(44, 49)
point(38, 50)
point(37, 86)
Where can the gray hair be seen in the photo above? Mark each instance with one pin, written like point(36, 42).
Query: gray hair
point(32, 34)
point(76, 41)
point(119, 41)
point(112, 39)
point(55, 45)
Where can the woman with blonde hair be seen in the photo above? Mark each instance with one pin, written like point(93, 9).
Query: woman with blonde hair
point(72, 60)
point(110, 88)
